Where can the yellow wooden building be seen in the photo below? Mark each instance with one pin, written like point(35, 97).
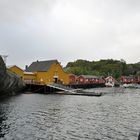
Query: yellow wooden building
point(47, 72)
point(29, 77)
point(15, 69)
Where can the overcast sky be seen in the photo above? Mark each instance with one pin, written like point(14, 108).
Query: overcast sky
point(67, 30)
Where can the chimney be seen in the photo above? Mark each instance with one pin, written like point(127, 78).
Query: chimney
point(26, 67)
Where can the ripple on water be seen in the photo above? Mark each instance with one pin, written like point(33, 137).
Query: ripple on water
point(53, 117)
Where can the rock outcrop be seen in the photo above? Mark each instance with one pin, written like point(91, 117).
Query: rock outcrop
point(10, 83)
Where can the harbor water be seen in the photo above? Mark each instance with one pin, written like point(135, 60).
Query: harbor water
point(113, 116)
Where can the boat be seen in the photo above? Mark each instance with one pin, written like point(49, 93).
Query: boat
point(132, 85)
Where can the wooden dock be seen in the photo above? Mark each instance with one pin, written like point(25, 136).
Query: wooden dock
point(59, 89)
point(80, 94)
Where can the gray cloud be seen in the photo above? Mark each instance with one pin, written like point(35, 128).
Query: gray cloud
point(68, 30)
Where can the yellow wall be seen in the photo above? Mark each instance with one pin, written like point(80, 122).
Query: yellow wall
point(16, 70)
point(48, 77)
point(29, 77)
point(43, 77)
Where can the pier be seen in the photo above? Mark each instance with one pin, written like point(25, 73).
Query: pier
point(58, 89)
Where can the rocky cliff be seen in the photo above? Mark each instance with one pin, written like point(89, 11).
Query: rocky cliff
point(10, 83)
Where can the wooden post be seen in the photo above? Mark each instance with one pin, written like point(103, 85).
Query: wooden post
point(44, 88)
point(30, 87)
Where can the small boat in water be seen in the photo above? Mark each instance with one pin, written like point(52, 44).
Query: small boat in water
point(130, 85)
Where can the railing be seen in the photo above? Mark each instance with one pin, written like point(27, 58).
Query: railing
point(62, 87)
point(33, 82)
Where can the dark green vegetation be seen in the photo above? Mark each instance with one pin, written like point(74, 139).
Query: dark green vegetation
point(107, 67)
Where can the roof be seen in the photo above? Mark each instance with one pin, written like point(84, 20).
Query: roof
point(128, 77)
point(11, 66)
point(41, 66)
point(90, 76)
point(31, 73)
point(71, 74)
point(109, 77)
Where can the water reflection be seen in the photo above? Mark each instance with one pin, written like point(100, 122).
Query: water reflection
point(114, 116)
point(4, 128)
point(2, 118)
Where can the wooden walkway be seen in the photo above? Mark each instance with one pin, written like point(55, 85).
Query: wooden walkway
point(65, 90)
point(59, 89)
point(62, 88)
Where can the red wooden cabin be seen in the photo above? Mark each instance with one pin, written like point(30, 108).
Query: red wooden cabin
point(138, 79)
point(128, 79)
point(72, 79)
point(89, 79)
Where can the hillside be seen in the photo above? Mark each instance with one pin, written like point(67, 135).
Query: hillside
point(112, 67)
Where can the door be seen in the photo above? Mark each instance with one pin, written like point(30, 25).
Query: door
point(55, 80)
